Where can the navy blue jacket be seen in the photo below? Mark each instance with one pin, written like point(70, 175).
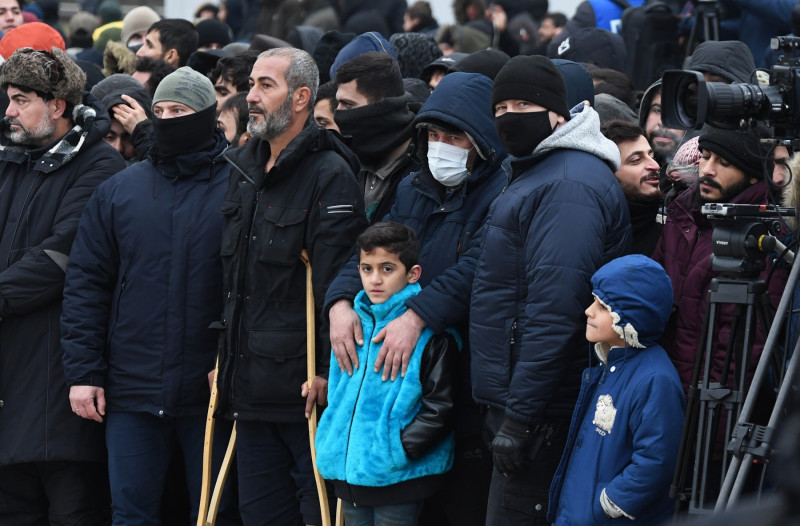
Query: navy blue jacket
point(561, 217)
point(144, 282)
point(627, 425)
point(445, 222)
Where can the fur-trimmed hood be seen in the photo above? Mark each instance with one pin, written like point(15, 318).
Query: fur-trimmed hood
point(791, 193)
point(638, 293)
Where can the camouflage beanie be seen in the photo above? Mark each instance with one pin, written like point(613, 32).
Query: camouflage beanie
point(52, 73)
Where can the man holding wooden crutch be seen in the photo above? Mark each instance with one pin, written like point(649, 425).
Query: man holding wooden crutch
point(293, 187)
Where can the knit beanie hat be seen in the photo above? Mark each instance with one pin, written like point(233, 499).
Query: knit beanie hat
point(186, 86)
point(55, 75)
point(414, 52)
point(580, 86)
point(109, 92)
point(741, 149)
point(35, 35)
point(109, 34)
point(138, 20)
point(109, 11)
point(534, 79)
point(82, 24)
point(210, 31)
point(487, 62)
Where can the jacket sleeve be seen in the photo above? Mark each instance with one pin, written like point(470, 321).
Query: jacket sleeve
point(332, 231)
point(37, 279)
point(142, 138)
point(435, 419)
point(655, 426)
point(345, 286)
point(564, 233)
point(90, 285)
point(444, 302)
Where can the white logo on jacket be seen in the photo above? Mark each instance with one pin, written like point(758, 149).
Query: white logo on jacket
point(604, 415)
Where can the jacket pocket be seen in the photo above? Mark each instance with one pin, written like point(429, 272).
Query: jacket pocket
point(283, 235)
point(278, 365)
point(232, 227)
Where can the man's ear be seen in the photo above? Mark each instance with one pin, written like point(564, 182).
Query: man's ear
point(57, 108)
point(302, 98)
point(414, 274)
point(172, 57)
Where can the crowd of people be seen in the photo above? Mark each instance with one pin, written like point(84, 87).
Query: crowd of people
point(509, 261)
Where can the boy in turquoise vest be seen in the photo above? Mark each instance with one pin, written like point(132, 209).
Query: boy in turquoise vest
point(386, 444)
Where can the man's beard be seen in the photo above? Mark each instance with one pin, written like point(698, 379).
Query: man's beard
point(273, 124)
point(633, 195)
point(726, 194)
point(39, 135)
point(664, 153)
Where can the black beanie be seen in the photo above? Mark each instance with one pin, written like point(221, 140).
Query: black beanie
point(741, 149)
point(534, 79)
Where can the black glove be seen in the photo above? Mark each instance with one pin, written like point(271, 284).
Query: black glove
point(510, 446)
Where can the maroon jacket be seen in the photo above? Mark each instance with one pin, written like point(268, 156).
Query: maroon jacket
point(684, 250)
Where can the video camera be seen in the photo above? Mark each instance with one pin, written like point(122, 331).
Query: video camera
point(688, 101)
point(743, 235)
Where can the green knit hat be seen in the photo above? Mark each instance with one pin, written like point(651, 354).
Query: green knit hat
point(186, 86)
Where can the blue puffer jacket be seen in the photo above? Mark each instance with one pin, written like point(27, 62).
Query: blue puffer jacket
point(561, 217)
point(626, 428)
point(445, 222)
point(359, 435)
point(144, 282)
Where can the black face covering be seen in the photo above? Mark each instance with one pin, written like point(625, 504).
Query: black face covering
point(376, 129)
point(521, 133)
point(181, 135)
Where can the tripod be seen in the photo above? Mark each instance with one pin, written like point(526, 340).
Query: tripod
point(712, 403)
point(707, 15)
point(752, 441)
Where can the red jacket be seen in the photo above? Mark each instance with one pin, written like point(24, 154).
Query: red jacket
point(684, 250)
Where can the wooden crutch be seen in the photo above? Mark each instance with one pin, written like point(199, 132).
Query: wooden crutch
point(207, 513)
point(311, 373)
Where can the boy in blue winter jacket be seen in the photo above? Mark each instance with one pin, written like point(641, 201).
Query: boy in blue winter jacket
point(386, 444)
point(626, 429)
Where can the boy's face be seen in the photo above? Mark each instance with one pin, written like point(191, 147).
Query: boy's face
point(383, 275)
point(599, 325)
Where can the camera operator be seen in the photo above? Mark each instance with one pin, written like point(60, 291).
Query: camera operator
point(731, 171)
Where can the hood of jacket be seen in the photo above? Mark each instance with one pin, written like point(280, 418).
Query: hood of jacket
point(253, 156)
point(638, 293)
point(459, 91)
point(730, 59)
point(582, 132)
point(647, 100)
point(363, 43)
point(91, 123)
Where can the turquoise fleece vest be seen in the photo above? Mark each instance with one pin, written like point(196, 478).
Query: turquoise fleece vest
point(358, 437)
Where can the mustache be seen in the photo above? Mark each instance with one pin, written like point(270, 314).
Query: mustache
point(666, 134)
point(650, 176)
point(710, 182)
point(254, 108)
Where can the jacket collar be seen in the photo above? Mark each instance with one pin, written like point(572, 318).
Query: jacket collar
point(391, 308)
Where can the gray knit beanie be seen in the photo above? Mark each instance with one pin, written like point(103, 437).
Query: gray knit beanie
point(138, 20)
point(52, 73)
point(186, 86)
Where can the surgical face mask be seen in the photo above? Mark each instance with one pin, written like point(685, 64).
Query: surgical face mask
point(448, 163)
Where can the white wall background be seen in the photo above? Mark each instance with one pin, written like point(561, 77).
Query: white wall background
point(443, 9)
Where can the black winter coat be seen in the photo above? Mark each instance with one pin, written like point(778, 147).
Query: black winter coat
point(145, 282)
point(309, 200)
point(42, 194)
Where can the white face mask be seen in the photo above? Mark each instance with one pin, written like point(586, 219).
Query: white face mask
point(448, 163)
